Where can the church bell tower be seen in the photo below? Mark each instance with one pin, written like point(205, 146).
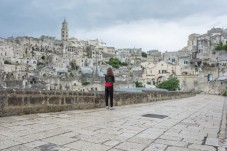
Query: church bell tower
point(64, 31)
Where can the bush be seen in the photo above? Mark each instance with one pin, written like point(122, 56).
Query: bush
point(138, 84)
point(124, 63)
point(85, 83)
point(171, 84)
point(40, 64)
point(7, 62)
point(225, 93)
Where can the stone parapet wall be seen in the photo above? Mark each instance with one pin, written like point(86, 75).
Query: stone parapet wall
point(18, 102)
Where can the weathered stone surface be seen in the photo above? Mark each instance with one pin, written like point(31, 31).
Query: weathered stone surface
point(112, 143)
point(8, 143)
point(87, 146)
point(122, 129)
point(171, 143)
point(130, 146)
point(20, 148)
point(140, 140)
point(212, 141)
point(17, 102)
point(181, 149)
point(156, 147)
point(35, 144)
point(202, 147)
point(59, 140)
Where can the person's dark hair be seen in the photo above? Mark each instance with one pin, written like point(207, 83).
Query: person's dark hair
point(109, 72)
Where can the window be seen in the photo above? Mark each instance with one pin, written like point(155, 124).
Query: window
point(185, 62)
point(173, 60)
point(159, 71)
point(164, 71)
point(209, 77)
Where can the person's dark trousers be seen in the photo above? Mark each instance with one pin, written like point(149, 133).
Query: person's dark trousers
point(109, 92)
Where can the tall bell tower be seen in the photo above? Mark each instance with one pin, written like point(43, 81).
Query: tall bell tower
point(64, 31)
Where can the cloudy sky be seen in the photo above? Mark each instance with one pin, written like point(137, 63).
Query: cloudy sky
point(148, 24)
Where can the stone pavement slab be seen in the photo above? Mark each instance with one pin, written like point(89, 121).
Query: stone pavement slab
point(190, 124)
point(156, 147)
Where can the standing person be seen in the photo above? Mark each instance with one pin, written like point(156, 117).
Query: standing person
point(109, 78)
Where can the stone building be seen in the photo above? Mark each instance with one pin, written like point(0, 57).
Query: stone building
point(154, 56)
point(159, 72)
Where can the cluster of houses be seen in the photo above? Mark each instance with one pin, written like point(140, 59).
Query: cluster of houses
point(47, 63)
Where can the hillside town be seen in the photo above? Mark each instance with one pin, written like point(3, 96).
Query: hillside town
point(47, 63)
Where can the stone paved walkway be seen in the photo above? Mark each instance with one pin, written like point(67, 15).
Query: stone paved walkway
point(192, 124)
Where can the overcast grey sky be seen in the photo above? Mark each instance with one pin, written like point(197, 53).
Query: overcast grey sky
point(148, 24)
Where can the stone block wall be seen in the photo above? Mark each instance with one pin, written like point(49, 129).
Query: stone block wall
point(18, 102)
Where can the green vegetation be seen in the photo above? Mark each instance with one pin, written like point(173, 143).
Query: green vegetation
point(85, 83)
point(225, 93)
point(144, 54)
point(171, 84)
point(138, 84)
point(7, 62)
point(221, 47)
point(115, 63)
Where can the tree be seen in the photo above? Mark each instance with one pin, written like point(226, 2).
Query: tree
point(225, 47)
point(225, 93)
point(7, 62)
point(144, 54)
point(116, 63)
point(138, 84)
point(221, 46)
point(218, 47)
point(172, 84)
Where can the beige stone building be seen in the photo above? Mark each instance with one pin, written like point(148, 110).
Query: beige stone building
point(156, 73)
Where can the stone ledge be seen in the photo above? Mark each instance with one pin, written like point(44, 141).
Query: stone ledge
point(18, 102)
